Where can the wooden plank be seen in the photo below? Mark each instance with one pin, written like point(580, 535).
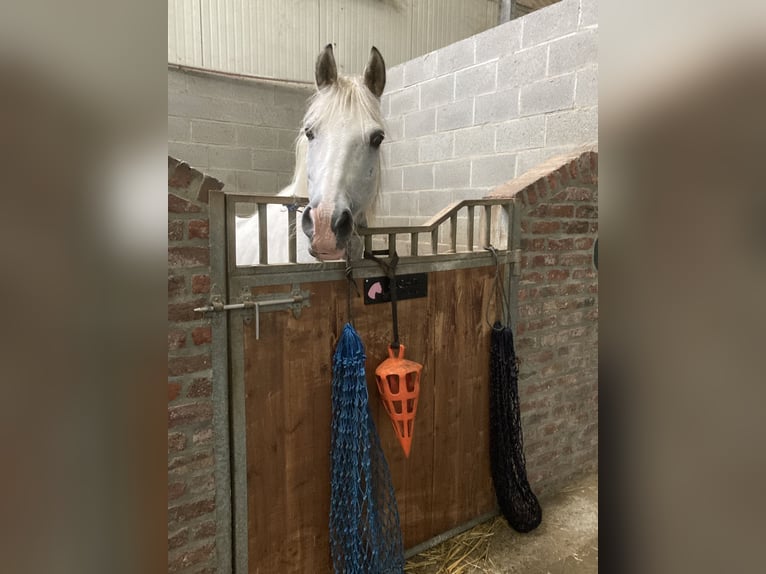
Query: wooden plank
point(288, 440)
point(445, 482)
point(462, 486)
point(411, 476)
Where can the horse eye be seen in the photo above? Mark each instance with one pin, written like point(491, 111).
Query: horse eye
point(377, 139)
point(309, 134)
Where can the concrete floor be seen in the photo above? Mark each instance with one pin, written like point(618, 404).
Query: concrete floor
point(566, 542)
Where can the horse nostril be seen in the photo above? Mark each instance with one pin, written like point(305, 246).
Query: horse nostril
point(307, 223)
point(343, 224)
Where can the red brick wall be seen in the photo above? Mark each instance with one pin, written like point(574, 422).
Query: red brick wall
point(557, 327)
point(191, 483)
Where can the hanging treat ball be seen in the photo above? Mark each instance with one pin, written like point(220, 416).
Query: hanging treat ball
point(399, 385)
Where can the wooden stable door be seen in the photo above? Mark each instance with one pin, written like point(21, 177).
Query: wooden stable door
point(445, 482)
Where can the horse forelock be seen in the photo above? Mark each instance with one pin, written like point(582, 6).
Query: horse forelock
point(347, 97)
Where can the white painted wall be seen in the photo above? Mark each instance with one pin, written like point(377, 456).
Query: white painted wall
point(281, 38)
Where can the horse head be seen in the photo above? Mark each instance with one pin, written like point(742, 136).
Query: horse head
point(341, 136)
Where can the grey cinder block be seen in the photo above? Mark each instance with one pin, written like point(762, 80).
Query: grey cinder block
point(521, 68)
point(420, 123)
point(404, 101)
point(586, 88)
point(522, 133)
point(436, 147)
point(179, 129)
point(548, 95)
point(588, 13)
point(273, 160)
point(550, 22)
point(213, 132)
point(196, 155)
point(573, 52)
point(455, 115)
point(420, 69)
point(503, 39)
point(417, 177)
point(572, 127)
point(455, 56)
point(475, 141)
point(452, 174)
point(493, 170)
point(229, 157)
point(402, 152)
point(497, 107)
point(256, 137)
point(476, 80)
point(437, 91)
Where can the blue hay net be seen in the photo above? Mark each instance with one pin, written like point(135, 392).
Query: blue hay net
point(365, 535)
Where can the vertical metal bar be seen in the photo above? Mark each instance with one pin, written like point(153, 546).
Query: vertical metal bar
point(413, 244)
point(470, 227)
point(263, 234)
point(487, 225)
point(391, 244)
point(368, 243)
point(435, 241)
point(453, 232)
point(508, 209)
point(229, 240)
point(220, 378)
point(292, 237)
point(238, 442)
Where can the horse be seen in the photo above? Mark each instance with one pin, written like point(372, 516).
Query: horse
point(337, 168)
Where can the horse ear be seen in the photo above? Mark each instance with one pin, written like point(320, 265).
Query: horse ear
point(326, 71)
point(375, 73)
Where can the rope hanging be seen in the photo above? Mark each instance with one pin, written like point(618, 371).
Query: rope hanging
point(517, 502)
point(365, 533)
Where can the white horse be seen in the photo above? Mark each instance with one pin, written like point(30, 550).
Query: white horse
point(337, 167)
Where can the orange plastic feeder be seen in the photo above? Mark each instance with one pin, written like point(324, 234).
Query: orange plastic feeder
point(399, 385)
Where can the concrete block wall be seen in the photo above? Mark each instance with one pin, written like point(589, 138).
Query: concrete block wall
point(466, 118)
point(240, 131)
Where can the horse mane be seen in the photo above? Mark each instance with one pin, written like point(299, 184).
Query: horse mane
point(347, 97)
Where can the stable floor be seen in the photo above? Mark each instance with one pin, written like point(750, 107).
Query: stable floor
point(566, 542)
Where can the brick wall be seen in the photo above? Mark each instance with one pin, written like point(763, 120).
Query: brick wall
point(557, 326)
point(191, 483)
point(479, 112)
point(240, 131)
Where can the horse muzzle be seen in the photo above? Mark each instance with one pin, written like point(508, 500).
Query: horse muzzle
point(329, 232)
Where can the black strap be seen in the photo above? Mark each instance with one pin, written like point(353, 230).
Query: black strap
point(389, 268)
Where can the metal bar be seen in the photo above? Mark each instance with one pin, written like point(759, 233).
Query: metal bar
point(487, 225)
point(367, 242)
point(252, 304)
point(414, 244)
point(263, 234)
point(273, 199)
point(292, 237)
point(470, 227)
point(435, 241)
point(453, 232)
point(391, 244)
point(220, 378)
point(439, 538)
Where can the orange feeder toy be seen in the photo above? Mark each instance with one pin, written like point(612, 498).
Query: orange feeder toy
point(399, 385)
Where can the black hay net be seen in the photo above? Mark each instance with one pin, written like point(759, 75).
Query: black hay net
point(517, 502)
